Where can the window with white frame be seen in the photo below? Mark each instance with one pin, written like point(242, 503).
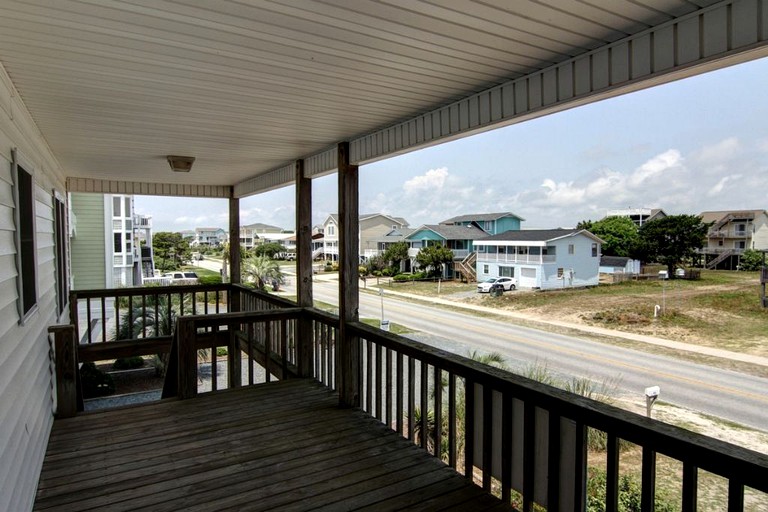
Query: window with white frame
point(571, 249)
point(506, 271)
point(26, 261)
point(485, 269)
point(594, 250)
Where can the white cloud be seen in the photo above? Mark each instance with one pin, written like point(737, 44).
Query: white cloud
point(655, 167)
point(724, 150)
point(434, 179)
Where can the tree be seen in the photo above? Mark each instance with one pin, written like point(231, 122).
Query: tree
point(671, 240)
point(751, 260)
point(170, 250)
point(433, 257)
point(396, 253)
point(269, 249)
point(619, 234)
point(261, 270)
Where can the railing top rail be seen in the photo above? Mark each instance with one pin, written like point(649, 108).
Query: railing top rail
point(710, 454)
point(273, 299)
point(148, 290)
point(212, 320)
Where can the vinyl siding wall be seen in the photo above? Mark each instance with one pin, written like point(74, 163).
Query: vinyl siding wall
point(87, 248)
point(26, 389)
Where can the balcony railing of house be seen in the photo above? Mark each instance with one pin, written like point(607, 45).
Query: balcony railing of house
point(460, 253)
point(497, 428)
point(515, 258)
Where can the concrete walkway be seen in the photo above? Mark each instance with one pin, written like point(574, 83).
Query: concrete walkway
point(675, 345)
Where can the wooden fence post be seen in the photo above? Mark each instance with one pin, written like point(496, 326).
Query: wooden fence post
point(304, 334)
point(65, 356)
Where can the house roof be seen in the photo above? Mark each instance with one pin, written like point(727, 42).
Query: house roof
point(479, 217)
point(208, 229)
point(248, 88)
point(614, 261)
point(363, 216)
point(716, 216)
point(449, 232)
point(535, 235)
point(258, 226)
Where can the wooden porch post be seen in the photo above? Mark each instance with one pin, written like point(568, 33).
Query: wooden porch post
point(234, 251)
point(305, 345)
point(348, 349)
point(65, 357)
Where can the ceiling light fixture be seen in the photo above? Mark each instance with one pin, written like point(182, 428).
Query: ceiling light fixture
point(181, 163)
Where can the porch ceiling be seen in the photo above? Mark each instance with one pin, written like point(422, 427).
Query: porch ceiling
point(248, 87)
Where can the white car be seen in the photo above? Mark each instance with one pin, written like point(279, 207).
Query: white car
point(507, 283)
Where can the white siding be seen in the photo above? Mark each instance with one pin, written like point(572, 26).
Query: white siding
point(26, 399)
point(760, 238)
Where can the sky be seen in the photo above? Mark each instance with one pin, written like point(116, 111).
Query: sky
point(690, 146)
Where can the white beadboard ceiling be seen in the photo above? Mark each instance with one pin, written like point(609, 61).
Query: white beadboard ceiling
point(249, 86)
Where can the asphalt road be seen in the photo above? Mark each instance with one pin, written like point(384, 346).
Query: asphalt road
point(722, 393)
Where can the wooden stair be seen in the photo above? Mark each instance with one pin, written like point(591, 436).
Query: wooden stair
point(466, 267)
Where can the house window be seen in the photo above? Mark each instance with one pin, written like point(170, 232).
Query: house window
point(570, 249)
point(116, 206)
point(507, 271)
point(60, 235)
point(741, 244)
point(127, 211)
point(559, 273)
point(25, 240)
point(485, 269)
point(331, 230)
point(118, 243)
point(594, 250)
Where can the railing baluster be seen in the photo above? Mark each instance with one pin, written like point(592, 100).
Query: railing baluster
point(411, 393)
point(267, 346)
point(144, 315)
point(169, 311)
point(735, 496)
point(690, 487)
point(612, 473)
point(469, 428)
point(424, 387)
point(181, 304)
point(553, 462)
point(214, 365)
point(130, 316)
point(399, 395)
point(368, 377)
point(580, 466)
point(648, 496)
point(529, 454)
point(506, 447)
point(388, 389)
point(194, 303)
point(205, 302)
point(88, 319)
point(216, 295)
point(438, 386)
point(103, 319)
point(487, 437)
point(284, 346)
point(250, 353)
point(452, 458)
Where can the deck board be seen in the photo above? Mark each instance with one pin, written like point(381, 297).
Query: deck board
point(281, 446)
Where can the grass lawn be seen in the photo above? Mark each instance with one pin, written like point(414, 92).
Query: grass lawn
point(206, 276)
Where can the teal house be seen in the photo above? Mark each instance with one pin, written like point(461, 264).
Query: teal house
point(459, 234)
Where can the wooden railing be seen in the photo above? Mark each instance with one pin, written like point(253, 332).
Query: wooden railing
point(502, 430)
point(529, 437)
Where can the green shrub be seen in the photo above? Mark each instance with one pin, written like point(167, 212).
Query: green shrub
point(95, 382)
point(629, 493)
point(221, 351)
point(128, 363)
point(210, 279)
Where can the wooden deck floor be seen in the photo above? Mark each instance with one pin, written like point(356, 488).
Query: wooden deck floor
point(280, 446)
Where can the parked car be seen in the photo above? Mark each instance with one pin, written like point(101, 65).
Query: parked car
point(507, 283)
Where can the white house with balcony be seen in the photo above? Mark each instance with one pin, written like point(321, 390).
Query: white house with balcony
point(543, 259)
point(373, 226)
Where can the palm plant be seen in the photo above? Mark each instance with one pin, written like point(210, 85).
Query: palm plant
point(260, 270)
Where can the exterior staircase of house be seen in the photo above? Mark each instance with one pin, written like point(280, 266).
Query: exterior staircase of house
point(721, 257)
point(466, 267)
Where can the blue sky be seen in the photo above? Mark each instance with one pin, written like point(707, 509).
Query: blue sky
point(690, 146)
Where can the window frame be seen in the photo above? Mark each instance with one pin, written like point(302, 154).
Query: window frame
point(21, 164)
point(61, 236)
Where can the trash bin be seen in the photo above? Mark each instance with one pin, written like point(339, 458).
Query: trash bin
point(496, 290)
